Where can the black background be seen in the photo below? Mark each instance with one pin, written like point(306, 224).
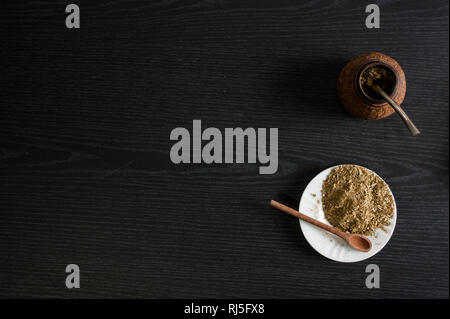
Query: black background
point(86, 176)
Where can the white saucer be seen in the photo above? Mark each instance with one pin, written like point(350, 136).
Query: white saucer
point(330, 245)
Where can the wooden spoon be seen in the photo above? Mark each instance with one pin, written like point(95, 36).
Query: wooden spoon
point(356, 241)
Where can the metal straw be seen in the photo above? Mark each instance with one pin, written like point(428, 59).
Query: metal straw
point(412, 128)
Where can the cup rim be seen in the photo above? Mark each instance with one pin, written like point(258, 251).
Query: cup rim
point(370, 65)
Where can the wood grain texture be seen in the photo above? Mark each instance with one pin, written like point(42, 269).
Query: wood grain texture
point(86, 177)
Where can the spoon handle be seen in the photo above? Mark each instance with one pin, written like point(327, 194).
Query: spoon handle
point(412, 128)
point(308, 219)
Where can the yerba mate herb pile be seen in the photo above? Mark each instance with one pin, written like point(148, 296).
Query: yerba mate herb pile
point(380, 75)
point(356, 200)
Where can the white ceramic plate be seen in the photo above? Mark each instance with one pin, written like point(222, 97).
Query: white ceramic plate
point(330, 245)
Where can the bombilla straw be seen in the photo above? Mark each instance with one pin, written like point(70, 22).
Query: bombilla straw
point(412, 128)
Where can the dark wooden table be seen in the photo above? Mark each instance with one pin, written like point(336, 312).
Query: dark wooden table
point(86, 176)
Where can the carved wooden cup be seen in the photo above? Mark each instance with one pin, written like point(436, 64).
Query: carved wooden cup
point(355, 100)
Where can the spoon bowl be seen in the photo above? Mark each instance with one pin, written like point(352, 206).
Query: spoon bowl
point(359, 242)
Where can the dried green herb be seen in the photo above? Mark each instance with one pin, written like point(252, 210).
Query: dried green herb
point(380, 75)
point(356, 200)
